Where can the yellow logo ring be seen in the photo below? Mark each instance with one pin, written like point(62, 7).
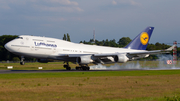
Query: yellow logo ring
point(144, 38)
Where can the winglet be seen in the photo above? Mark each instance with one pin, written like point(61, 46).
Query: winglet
point(140, 42)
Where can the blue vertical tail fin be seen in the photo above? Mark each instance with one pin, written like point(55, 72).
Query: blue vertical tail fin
point(140, 42)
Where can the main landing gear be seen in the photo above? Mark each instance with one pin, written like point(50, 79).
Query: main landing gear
point(80, 67)
point(67, 66)
point(83, 67)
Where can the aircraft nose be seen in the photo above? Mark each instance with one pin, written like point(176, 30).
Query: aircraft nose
point(7, 46)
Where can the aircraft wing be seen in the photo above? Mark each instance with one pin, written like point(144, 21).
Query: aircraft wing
point(131, 55)
point(145, 52)
point(128, 53)
point(114, 54)
point(106, 57)
point(137, 53)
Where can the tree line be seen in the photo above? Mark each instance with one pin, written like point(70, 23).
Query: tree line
point(122, 42)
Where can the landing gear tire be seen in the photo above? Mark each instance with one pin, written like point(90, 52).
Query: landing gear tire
point(88, 68)
point(83, 68)
point(77, 68)
point(67, 67)
point(22, 63)
point(22, 60)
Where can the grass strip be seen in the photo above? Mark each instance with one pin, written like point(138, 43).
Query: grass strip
point(135, 85)
point(90, 74)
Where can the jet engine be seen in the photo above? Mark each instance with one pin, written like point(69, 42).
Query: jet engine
point(84, 59)
point(121, 58)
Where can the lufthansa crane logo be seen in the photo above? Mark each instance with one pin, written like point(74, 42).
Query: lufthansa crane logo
point(144, 38)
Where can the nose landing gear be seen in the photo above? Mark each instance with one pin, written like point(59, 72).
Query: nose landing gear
point(22, 60)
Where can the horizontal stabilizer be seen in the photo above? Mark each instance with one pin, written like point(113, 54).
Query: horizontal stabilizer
point(171, 48)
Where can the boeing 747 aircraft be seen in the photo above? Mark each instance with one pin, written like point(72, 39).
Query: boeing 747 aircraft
point(51, 48)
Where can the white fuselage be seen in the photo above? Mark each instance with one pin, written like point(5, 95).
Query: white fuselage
point(51, 48)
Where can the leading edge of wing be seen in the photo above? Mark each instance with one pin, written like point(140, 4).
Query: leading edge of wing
point(129, 53)
point(112, 54)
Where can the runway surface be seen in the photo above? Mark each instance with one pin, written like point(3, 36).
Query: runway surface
point(73, 70)
point(33, 71)
point(50, 71)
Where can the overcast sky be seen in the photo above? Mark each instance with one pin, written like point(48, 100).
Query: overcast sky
point(111, 19)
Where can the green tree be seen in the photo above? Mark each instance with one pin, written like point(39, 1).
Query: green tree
point(68, 38)
point(16, 59)
point(113, 43)
point(151, 47)
point(64, 38)
point(124, 41)
point(106, 43)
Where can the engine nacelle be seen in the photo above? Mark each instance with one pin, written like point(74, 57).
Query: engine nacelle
point(121, 58)
point(84, 59)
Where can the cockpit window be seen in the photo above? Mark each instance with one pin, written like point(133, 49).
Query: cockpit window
point(19, 37)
